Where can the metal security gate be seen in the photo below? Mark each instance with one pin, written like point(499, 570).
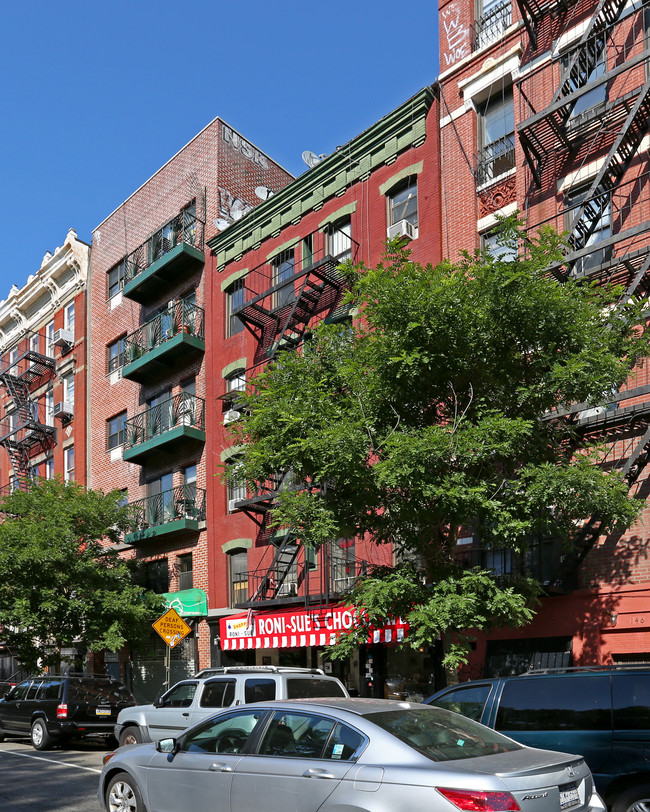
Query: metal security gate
point(148, 675)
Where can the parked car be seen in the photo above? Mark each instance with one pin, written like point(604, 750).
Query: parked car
point(602, 713)
point(52, 709)
point(194, 699)
point(367, 755)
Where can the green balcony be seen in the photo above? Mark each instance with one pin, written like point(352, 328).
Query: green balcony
point(176, 333)
point(164, 428)
point(167, 514)
point(170, 254)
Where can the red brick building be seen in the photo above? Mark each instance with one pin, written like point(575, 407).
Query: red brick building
point(148, 331)
point(545, 109)
point(276, 275)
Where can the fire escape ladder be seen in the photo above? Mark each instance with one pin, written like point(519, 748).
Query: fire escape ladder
point(624, 148)
point(272, 582)
point(552, 122)
point(297, 320)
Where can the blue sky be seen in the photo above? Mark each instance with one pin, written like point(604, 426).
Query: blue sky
point(96, 96)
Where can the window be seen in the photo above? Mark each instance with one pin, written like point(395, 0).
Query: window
point(227, 733)
point(343, 564)
point(156, 576)
point(491, 242)
point(236, 487)
point(259, 689)
point(185, 578)
point(190, 508)
point(115, 355)
point(49, 407)
point(631, 700)
point(236, 381)
point(68, 389)
point(159, 414)
point(116, 279)
point(49, 339)
point(34, 342)
point(68, 458)
point(116, 431)
point(492, 19)
point(339, 240)
point(283, 268)
point(601, 227)
point(468, 701)
point(235, 299)
point(160, 504)
point(559, 703)
point(68, 316)
point(496, 137)
point(592, 57)
point(238, 567)
point(49, 468)
point(218, 693)
point(181, 695)
point(403, 202)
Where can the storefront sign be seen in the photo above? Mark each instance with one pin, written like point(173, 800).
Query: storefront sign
point(292, 629)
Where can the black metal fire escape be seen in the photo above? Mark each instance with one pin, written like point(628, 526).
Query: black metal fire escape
point(23, 434)
point(541, 135)
point(279, 313)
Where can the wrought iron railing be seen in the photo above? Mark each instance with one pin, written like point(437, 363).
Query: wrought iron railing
point(181, 502)
point(184, 228)
point(490, 26)
point(179, 410)
point(496, 159)
point(540, 560)
point(179, 317)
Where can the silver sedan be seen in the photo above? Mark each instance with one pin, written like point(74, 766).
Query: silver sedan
point(357, 755)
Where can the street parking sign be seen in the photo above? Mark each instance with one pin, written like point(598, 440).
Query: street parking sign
point(172, 628)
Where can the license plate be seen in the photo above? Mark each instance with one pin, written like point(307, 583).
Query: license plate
point(569, 796)
point(103, 711)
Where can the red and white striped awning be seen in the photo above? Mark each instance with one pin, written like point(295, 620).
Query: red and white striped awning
point(299, 628)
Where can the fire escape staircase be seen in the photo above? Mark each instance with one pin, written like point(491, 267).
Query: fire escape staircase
point(21, 438)
point(270, 581)
point(532, 12)
point(539, 134)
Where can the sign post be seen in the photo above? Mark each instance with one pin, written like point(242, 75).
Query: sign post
point(172, 628)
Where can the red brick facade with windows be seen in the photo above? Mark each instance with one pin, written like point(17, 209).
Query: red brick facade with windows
point(347, 194)
point(519, 131)
point(161, 230)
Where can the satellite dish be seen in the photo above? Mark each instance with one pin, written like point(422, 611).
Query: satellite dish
point(311, 159)
point(263, 192)
point(220, 223)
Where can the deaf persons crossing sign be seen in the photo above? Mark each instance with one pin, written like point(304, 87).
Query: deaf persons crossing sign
point(172, 628)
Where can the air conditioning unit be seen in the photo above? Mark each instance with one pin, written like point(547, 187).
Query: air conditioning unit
point(63, 339)
point(230, 416)
point(402, 229)
point(63, 409)
point(232, 505)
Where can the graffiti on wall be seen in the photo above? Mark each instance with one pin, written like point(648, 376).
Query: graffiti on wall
point(241, 145)
point(231, 208)
point(457, 43)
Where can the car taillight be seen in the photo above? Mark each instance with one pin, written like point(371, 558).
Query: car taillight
point(62, 712)
point(478, 801)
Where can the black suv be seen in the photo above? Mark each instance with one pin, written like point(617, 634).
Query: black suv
point(599, 712)
point(52, 709)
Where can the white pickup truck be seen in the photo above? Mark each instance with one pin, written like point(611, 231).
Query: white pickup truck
point(196, 698)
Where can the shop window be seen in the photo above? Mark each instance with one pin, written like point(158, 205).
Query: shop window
point(496, 137)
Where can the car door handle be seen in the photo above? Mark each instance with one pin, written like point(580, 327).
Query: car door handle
point(220, 768)
point(314, 773)
point(185, 714)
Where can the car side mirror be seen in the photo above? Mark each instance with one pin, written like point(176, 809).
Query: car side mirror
point(167, 746)
point(157, 703)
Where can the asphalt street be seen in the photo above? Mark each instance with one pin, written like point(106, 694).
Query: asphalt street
point(55, 780)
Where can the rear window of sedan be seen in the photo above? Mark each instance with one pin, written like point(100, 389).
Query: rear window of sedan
point(442, 735)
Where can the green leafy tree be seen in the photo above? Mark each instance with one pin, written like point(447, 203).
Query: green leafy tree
point(59, 586)
point(430, 416)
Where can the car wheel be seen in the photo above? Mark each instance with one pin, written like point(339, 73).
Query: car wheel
point(635, 799)
point(41, 739)
point(130, 735)
point(123, 795)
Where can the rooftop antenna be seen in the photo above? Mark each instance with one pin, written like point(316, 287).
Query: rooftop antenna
point(311, 159)
point(263, 192)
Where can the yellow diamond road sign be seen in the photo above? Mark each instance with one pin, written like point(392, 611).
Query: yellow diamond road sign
point(172, 628)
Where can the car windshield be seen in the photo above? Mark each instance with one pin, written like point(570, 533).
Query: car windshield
point(441, 735)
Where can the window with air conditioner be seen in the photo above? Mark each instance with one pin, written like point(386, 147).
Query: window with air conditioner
point(236, 488)
point(235, 382)
point(403, 209)
point(496, 137)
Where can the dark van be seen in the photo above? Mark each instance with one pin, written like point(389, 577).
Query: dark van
point(52, 709)
point(600, 713)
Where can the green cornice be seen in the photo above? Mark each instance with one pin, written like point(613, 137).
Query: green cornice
point(237, 544)
point(379, 145)
point(233, 451)
point(240, 363)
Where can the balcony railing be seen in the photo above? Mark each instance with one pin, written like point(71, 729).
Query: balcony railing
point(181, 508)
point(180, 410)
point(179, 240)
point(496, 159)
point(490, 26)
point(541, 560)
